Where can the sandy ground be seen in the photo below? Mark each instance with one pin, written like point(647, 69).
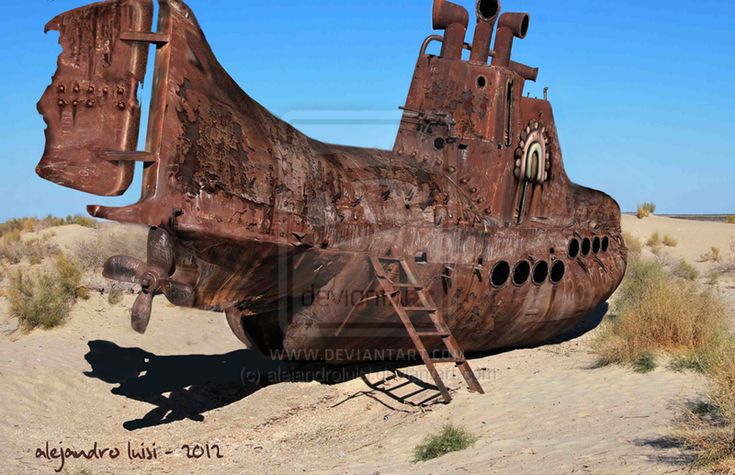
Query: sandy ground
point(188, 382)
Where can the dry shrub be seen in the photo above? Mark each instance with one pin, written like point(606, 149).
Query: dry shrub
point(450, 439)
point(708, 428)
point(43, 298)
point(685, 270)
point(30, 224)
point(669, 241)
point(655, 312)
point(632, 243)
point(713, 255)
point(111, 240)
point(645, 210)
point(731, 219)
point(14, 250)
point(654, 240)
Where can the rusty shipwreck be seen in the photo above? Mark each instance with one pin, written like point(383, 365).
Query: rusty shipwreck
point(468, 235)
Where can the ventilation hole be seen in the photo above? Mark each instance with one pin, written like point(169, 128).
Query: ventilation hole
point(481, 82)
point(500, 273)
point(540, 272)
point(557, 272)
point(439, 143)
point(521, 272)
point(605, 244)
point(573, 248)
point(421, 257)
point(586, 246)
point(596, 245)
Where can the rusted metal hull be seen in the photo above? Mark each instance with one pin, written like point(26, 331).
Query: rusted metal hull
point(273, 228)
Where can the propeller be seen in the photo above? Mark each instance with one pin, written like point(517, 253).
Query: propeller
point(153, 276)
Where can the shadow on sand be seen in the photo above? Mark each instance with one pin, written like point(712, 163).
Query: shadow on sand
point(186, 386)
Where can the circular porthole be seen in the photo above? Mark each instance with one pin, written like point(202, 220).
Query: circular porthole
point(558, 269)
point(573, 248)
point(540, 272)
point(521, 273)
point(481, 82)
point(586, 246)
point(500, 274)
point(605, 244)
point(596, 245)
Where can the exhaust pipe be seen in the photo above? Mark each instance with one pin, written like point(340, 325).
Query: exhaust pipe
point(487, 14)
point(510, 25)
point(453, 19)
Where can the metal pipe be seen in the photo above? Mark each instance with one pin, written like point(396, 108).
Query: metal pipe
point(510, 25)
point(524, 71)
point(453, 19)
point(487, 14)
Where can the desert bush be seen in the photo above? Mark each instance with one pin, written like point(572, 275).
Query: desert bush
point(708, 428)
point(654, 240)
point(645, 210)
point(645, 363)
point(655, 312)
point(43, 298)
point(632, 243)
point(14, 250)
point(450, 439)
point(685, 270)
point(112, 240)
point(115, 296)
point(29, 224)
point(731, 219)
point(669, 241)
point(713, 255)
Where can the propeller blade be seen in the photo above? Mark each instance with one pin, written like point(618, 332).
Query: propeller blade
point(141, 313)
point(178, 294)
point(160, 251)
point(124, 269)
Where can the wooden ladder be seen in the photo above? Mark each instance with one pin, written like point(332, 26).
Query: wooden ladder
point(395, 293)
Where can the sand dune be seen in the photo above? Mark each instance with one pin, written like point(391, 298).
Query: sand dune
point(546, 410)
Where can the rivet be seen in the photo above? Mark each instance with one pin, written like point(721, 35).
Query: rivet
point(120, 90)
point(121, 105)
point(75, 103)
point(473, 190)
point(90, 89)
point(90, 103)
point(61, 88)
point(480, 201)
point(105, 90)
point(76, 88)
point(62, 102)
point(464, 181)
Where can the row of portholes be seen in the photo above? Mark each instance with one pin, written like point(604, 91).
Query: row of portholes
point(595, 246)
point(523, 271)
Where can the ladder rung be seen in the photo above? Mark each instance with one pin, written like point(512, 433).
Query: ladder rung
point(407, 286)
point(390, 259)
point(430, 334)
point(419, 309)
point(448, 360)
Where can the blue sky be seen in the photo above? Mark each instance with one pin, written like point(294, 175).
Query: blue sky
point(642, 91)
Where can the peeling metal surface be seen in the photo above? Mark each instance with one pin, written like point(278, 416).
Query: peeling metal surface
point(275, 228)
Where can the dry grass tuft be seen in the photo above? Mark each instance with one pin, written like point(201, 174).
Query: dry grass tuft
point(685, 270)
point(656, 312)
point(14, 250)
point(632, 243)
point(645, 210)
point(669, 241)
point(708, 428)
point(654, 240)
point(731, 219)
point(109, 241)
point(43, 298)
point(713, 255)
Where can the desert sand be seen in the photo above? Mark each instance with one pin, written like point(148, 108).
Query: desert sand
point(189, 381)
